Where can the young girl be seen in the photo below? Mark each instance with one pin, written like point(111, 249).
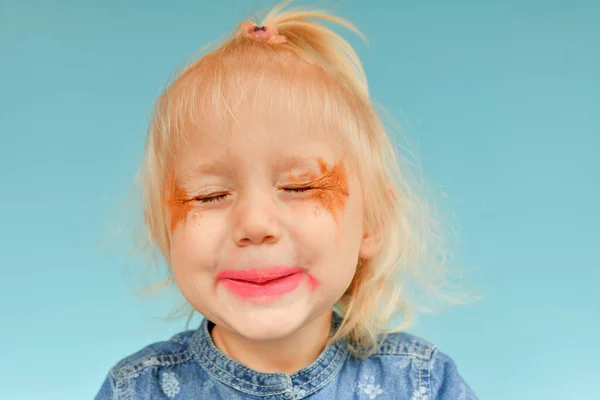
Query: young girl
point(276, 198)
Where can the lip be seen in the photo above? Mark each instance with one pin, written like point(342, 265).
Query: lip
point(260, 275)
point(271, 282)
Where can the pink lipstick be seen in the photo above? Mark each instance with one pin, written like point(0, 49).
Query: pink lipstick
point(257, 283)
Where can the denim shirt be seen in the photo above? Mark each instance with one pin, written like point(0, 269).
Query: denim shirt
point(189, 366)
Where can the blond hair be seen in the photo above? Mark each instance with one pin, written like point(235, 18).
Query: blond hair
point(318, 68)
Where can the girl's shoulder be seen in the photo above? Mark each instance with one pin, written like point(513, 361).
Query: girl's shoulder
point(176, 350)
point(411, 348)
point(417, 363)
point(404, 344)
point(148, 373)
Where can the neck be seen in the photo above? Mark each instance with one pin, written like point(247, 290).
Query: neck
point(287, 355)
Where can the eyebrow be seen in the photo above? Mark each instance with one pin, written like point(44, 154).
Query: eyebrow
point(297, 161)
point(210, 167)
point(283, 162)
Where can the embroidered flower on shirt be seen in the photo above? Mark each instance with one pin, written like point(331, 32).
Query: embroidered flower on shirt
point(298, 393)
point(169, 384)
point(367, 386)
point(420, 394)
point(403, 363)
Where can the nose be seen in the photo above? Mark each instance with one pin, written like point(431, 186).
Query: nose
point(255, 221)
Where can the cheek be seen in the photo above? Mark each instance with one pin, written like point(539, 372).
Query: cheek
point(334, 275)
point(340, 248)
point(308, 221)
point(195, 217)
point(193, 243)
point(317, 228)
point(317, 211)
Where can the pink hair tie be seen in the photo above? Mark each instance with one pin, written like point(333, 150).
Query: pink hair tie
point(268, 34)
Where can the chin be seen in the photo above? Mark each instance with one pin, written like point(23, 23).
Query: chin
point(269, 323)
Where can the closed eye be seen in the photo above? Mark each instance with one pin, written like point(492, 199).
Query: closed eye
point(210, 199)
point(298, 189)
point(219, 197)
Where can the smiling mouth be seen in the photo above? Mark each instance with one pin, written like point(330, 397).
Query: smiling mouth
point(260, 275)
point(264, 281)
point(272, 282)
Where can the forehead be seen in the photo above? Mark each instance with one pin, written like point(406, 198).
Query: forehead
point(251, 125)
point(261, 139)
point(228, 105)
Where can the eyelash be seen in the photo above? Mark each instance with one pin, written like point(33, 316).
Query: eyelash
point(211, 199)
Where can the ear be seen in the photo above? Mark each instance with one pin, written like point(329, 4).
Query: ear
point(369, 245)
point(371, 241)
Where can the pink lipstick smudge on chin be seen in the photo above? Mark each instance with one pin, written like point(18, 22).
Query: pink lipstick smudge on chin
point(314, 283)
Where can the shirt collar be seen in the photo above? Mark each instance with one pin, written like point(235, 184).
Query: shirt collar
point(234, 374)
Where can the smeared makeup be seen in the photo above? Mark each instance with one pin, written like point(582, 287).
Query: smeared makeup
point(330, 189)
point(178, 202)
point(313, 282)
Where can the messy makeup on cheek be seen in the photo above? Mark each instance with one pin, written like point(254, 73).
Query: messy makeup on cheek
point(330, 188)
point(180, 202)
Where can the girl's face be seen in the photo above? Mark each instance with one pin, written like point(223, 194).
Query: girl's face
point(260, 202)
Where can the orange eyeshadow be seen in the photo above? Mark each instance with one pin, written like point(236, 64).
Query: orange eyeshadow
point(177, 201)
point(330, 189)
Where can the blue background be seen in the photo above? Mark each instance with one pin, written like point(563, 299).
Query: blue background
point(501, 97)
